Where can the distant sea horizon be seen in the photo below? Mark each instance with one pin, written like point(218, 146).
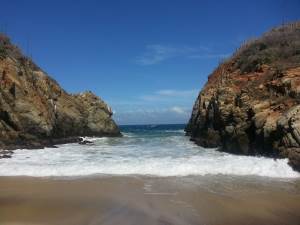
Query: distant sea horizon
point(152, 124)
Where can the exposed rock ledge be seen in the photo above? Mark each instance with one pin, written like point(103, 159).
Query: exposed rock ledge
point(35, 111)
point(251, 102)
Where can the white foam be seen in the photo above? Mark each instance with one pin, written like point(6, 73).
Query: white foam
point(93, 138)
point(74, 160)
point(134, 154)
point(175, 131)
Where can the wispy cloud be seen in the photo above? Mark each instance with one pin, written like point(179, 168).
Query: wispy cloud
point(158, 53)
point(174, 114)
point(178, 110)
point(177, 93)
point(155, 54)
point(161, 106)
point(167, 94)
point(209, 56)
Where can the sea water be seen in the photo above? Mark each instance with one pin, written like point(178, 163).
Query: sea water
point(149, 150)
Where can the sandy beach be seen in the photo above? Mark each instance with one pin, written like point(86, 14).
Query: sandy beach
point(144, 200)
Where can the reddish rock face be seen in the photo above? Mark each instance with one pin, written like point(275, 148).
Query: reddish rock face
point(35, 111)
point(251, 103)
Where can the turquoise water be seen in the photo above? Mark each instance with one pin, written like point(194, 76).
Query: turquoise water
point(148, 150)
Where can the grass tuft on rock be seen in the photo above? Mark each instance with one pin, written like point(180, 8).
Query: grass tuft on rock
point(281, 46)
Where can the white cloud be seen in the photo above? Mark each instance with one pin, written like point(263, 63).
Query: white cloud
point(168, 94)
point(177, 93)
point(174, 114)
point(161, 106)
point(178, 110)
point(209, 56)
point(156, 53)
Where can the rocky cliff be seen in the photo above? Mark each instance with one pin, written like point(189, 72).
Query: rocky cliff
point(35, 111)
point(251, 103)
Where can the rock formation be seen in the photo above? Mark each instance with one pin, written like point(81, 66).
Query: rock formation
point(251, 103)
point(35, 111)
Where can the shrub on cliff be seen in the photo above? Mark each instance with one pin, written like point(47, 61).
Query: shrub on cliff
point(3, 52)
point(8, 49)
point(278, 46)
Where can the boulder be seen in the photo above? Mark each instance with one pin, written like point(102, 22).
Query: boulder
point(250, 110)
point(35, 111)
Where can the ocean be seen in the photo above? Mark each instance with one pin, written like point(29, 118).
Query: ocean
point(147, 150)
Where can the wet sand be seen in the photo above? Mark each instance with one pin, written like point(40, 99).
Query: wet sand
point(137, 200)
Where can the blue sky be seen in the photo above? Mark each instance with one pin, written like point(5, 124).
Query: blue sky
point(147, 59)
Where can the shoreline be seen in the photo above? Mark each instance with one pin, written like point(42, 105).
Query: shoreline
point(213, 200)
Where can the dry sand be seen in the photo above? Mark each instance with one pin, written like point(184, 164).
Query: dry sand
point(144, 200)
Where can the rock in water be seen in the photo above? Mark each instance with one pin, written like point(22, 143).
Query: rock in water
point(251, 103)
point(35, 111)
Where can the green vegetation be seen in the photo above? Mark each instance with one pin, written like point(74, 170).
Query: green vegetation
point(4, 41)
point(280, 46)
point(3, 52)
point(8, 49)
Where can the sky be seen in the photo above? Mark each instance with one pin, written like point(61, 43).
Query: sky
point(147, 59)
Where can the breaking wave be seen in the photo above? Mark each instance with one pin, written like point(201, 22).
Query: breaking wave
point(154, 153)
